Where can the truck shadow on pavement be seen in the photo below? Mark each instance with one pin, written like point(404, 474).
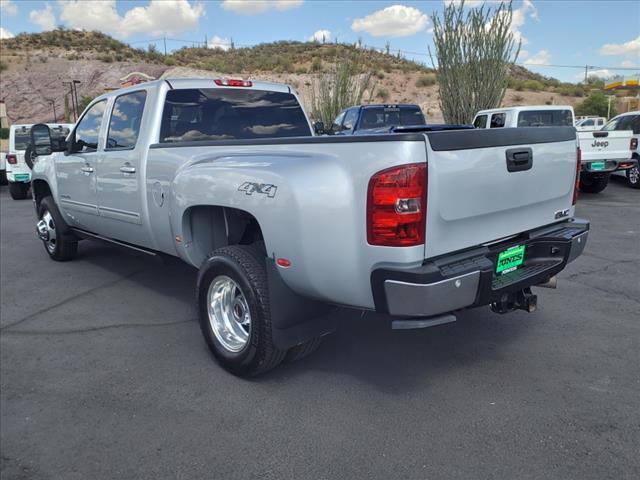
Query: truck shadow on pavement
point(363, 347)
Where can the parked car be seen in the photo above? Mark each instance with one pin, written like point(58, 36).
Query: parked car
point(3, 168)
point(625, 122)
point(283, 225)
point(368, 119)
point(18, 166)
point(590, 123)
point(602, 152)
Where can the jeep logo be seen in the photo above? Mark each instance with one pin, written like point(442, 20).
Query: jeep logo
point(596, 143)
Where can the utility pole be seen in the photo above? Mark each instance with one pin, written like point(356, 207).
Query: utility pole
point(586, 69)
point(75, 93)
point(164, 39)
point(55, 117)
point(73, 103)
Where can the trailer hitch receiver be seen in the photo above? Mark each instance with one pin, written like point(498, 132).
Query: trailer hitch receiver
point(521, 300)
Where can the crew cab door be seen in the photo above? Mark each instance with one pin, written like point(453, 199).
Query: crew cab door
point(76, 170)
point(120, 176)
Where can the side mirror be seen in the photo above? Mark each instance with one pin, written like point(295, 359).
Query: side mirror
point(41, 139)
point(318, 127)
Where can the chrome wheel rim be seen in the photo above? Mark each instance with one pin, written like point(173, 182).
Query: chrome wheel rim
point(50, 243)
point(634, 175)
point(229, 314)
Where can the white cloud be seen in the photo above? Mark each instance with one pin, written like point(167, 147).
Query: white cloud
point(543, 57)
point(393, 21)
point(523, 54)
point(44, 18)
point(520, 15)
point(8, 7)
point(5, 34)
point(256, 7)
point(602, 73)
point(158, 17)
point(221, 43)
point(632, 47)
point(467, 3)
point(321, 36)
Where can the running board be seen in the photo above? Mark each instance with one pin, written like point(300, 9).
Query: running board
point(95, 236)
point(408, 324)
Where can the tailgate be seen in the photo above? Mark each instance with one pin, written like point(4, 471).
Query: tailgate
point(602, 145)
point(486, 185)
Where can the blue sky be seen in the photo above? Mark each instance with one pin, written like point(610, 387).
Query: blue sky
point(603, 34)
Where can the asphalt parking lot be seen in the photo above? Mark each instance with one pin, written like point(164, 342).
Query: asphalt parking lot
point(104, 374)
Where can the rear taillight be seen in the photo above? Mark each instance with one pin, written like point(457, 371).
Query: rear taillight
point(634, 144)
point(396, 206)
point(233, 82)
point(12, 159)
point(576, 185)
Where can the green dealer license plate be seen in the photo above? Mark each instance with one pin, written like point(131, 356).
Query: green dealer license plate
point(597, 166)
point(509, 260)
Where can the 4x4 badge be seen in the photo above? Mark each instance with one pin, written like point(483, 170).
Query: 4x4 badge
point(265, 188)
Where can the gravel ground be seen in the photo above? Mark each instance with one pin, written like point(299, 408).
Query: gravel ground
point(104, 374)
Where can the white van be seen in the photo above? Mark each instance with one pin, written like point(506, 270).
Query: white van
point(18, 169)
point(526, 116)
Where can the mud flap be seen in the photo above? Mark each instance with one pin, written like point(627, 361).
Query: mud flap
point(295, 319)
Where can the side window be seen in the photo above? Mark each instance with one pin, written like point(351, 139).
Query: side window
point(497, 120)
point(587, 123)
point(600, 122)
point(337, 123)
point(124, 125)
point(350, 119)
point(480, 121)
point(88, 130)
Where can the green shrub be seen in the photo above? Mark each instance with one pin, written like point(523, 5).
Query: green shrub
point(106, 58)
point(169, 62)
point(596, 104)
point(316, 64)
point(426, 80)
point(518, 98)
point(533, 85)
point(4, 133)
point(3, 66)
point(379, 74)
point(382, 94)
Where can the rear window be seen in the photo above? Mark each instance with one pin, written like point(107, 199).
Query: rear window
point(22, 139)
point(497, 120)
point(379, 117)
point(545, 118)
point(625, 122)
point(230, 114)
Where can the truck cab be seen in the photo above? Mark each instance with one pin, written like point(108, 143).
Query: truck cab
point(529, 116)
point(370, 119)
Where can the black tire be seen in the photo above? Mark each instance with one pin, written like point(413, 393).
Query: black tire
point(594, 182)
point(3, 177)
point(29, 156)
point(65, 246)
point(245, 265)
point(303, 350)
point(633, 177)
point(18, 190)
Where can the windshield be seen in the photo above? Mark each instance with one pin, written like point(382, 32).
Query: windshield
point(379, 117)
point(545, 118)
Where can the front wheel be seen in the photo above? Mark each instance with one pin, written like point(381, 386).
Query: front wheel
point(18, 190)
point(58, 241)
point(234, 311)
point(594, 182)
point(633, 177)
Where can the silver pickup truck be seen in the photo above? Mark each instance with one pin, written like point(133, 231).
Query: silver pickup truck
point(284, 226)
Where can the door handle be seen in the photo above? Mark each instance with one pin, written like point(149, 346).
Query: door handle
point(127, 169)
point(87, 169)
point(519, 159)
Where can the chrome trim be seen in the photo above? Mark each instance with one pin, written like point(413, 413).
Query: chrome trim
point(424, 300)
point(229, 314)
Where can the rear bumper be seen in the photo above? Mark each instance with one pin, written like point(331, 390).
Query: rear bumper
point(467, 279)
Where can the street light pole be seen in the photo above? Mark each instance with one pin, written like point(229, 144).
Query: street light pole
point(73, 103)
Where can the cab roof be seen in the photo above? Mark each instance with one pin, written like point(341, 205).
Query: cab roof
point(525, 108)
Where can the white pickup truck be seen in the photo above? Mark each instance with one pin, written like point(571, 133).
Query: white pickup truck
point(602, 152)
point(282, 225)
